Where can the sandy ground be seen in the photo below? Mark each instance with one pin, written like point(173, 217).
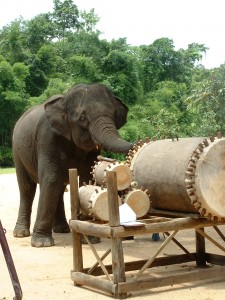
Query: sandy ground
point(44, 273)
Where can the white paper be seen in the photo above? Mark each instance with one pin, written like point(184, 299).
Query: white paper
point(128, 217)
point(126, 214)
point(133, 224)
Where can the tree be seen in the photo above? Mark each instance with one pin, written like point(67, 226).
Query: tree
point(88, 21)
point(121, 76)
point(83, 43)
point(47, 58)
point(37, 81)
point(13, 98)
point(65, 16)
point(161, 62)
point(162, 113)
point(206, 103)
point(12, 44)
point(6, 75)
point(83, 69)
point(39, 30)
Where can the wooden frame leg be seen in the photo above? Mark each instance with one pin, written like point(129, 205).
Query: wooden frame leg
point(200, 249)
point(75, 212)
point(118, 266)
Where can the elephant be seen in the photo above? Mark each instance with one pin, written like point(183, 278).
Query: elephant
point(66, 131)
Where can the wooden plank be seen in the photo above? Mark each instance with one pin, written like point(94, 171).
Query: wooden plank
point(113, 206)
point(75, 212)
point(172, 279)
point(173, 214)
point(219, 233)
point(201, 231)
point(91, 270)
point(103, 230)
point(215, 259)
point(94, 282)
point(90, 228)
point(74, 195)
point(192, 257)
point(171, 225)
point(118, 267)
point(98, 258)
point(160, 248)
point(136, 265)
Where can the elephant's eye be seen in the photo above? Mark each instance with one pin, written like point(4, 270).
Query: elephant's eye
point(83, 118)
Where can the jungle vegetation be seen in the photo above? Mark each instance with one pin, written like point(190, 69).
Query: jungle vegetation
point(168, 92)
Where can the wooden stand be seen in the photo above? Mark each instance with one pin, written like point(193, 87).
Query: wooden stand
point(120, 283)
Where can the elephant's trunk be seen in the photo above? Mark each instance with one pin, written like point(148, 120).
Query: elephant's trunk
point(104, 133)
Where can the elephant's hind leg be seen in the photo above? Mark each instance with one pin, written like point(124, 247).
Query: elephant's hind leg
point(27, 192)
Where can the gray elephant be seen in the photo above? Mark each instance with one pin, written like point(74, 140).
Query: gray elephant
point(64, 132)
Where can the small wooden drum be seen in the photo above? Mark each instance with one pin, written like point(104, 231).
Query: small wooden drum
point(94, 201)
point(138, 201)
point(123, 174)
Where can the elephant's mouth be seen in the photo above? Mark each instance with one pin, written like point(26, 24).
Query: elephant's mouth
point(83, 140)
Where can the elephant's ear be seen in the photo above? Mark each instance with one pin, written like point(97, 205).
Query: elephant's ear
point(121, 112)
point(55, 111)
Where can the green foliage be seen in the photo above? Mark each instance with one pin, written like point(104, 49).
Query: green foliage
point(55, 86)
point(6, 158)
point(166, 124)
point(12, 44)
point(65, 16)
point(83, 68)
point(88, 21)
point(206, 103)
point(163, 63)
point(167, 92)
point(6, 75)
point(122, 76)
point(39, 31)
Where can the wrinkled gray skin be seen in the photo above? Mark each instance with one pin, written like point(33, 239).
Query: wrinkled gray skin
point(49, 139)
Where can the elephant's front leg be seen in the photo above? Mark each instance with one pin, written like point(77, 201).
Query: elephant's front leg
point(50, 193)
point(60, 224)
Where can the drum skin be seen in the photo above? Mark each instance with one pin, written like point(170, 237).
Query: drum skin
point(185, 175)
point(139, 201)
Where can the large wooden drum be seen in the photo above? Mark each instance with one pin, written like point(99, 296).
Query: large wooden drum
point(185, 175)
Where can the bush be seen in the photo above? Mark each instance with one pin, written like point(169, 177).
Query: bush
point(6, 157)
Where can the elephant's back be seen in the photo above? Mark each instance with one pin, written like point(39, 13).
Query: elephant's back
point(28, 123)
point(25, 136)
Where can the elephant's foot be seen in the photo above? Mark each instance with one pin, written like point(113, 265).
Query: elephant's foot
point(92, 239)
point(21, 231)
point(61, 227)
point(39, 240)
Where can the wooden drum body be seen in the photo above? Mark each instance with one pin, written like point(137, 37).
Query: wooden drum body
point(94, 202)
point(139, 201)
point(187, 175)
point(123, 174)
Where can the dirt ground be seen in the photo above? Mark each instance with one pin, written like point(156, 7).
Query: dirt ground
point(44, 273)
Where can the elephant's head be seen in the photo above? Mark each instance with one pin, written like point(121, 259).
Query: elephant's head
point(90, 116)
